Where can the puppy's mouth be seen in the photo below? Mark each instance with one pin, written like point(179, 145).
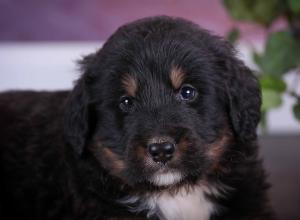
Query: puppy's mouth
point(166, 177)
point(163, 175)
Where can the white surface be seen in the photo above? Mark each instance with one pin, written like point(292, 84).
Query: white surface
point(52, 66)
point(41, 66)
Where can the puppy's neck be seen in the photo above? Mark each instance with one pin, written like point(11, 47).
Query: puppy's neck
point(185, 204)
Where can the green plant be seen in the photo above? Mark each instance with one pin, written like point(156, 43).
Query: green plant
point(281, 51)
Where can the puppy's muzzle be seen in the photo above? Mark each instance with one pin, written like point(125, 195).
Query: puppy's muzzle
point(161, 152)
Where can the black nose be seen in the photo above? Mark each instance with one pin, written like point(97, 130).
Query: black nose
point(161, 152)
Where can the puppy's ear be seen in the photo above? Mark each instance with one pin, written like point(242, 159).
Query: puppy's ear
point(244, 99)
point(77, 112)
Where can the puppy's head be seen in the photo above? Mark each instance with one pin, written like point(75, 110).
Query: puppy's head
point(161, 103)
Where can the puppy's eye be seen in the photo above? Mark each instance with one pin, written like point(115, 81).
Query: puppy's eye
point(187, 93)
point(126, 103)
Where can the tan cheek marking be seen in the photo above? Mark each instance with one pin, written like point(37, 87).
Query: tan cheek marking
point(184, 144)
point(141, 152)
point(177, 77)
point(129, 84)
point(108, 159)
point(216, 151)
point(182, 147)
point(117, 165)
point(217, 148)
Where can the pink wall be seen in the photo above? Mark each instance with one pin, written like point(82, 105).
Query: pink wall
point(76, 20)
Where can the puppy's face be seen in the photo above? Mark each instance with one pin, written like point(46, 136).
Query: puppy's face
point(162, 118)
point(159, 110)
point(160, 127)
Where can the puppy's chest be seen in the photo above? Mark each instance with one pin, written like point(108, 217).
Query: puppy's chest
point(184, 205)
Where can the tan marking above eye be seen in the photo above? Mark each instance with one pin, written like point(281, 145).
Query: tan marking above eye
point(129, 83)
point(177, 77)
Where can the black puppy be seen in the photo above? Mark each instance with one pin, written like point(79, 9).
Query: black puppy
point(161, 125)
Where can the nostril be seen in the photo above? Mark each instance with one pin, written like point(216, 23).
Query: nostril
point(154, 149)
point(168, 148)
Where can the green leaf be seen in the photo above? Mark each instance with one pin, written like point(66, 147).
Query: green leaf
point(264, 122)
point(294, 5)
point(270, 99)
point(233, 35)
point(271, 82)
point(296, 110)
point(282, 54)
point(263, 12)
point(257, 58)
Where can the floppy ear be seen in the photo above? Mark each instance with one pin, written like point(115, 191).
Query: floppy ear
point(77, 113)
point(244, 99)
point(76, 118)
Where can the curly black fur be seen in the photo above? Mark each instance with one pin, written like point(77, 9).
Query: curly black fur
point(76, 155)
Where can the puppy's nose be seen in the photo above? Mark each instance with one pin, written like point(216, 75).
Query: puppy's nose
point(161, 152)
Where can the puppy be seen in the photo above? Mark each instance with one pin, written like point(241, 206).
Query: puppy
point(161, 125)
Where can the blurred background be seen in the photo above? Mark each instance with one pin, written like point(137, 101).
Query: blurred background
point(40, 42)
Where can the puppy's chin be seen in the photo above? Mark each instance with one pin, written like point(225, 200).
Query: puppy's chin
point(166, 178)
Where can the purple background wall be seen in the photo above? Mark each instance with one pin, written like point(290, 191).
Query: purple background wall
point(78, 20)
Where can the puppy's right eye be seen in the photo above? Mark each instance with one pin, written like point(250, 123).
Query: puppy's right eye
point(187, 93)
point(126, 103)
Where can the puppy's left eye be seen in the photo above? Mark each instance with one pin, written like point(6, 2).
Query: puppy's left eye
point(187, 93)
point(126, 103)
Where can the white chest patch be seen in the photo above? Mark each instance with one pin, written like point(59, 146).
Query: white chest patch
point(189, 204)
point(185, 205)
